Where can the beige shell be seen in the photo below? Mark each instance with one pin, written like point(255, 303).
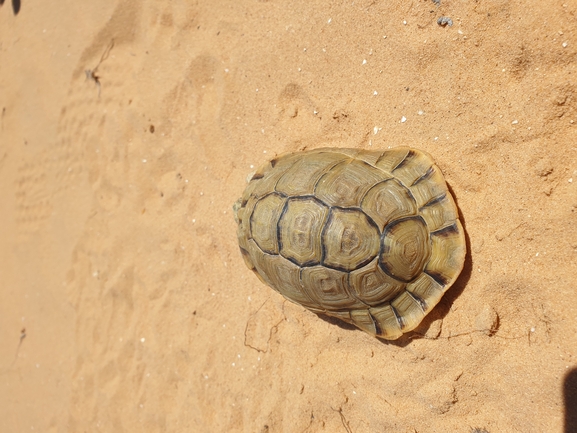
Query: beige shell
point(370, 237)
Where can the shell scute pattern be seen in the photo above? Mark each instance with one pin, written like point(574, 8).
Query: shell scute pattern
point(370, 237)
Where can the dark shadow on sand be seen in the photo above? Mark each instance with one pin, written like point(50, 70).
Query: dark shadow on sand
point(570, 401)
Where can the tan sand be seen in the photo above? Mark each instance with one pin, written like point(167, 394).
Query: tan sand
point(124, 302)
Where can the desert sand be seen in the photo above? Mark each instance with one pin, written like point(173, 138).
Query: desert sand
point(127, 132)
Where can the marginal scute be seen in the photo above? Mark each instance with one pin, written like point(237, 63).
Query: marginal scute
point(372, 238)
point(439, 212)
point(412, 167)
point(409, 309)
point(428, 186)
point(392, 158)
point(447, 254)
point(363, 320)
point(388, 322)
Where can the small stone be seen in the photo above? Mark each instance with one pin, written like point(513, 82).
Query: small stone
point(487, 321)
point(445, 21)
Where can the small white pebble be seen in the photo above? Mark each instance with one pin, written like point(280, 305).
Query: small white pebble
point(364, 62)
point(514, 122)
point(329, 21)
point(565, 44)
point(537, 255)
point(226, 70)
point(144, 160)
point(142, 340)
point(193, 220)
point(570, 180)
point(201, 193)
point(403, 119)
point(533, 329)
point(375, 93)
point(420, 112)
point(405, 22)
point(376, 129)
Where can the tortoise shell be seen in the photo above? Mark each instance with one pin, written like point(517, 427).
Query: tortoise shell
point(370, 237)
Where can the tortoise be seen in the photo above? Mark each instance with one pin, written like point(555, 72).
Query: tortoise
point(370, 237)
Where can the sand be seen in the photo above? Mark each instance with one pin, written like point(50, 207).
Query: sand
point(127, 131)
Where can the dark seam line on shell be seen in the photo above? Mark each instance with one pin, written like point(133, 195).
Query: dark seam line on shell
point(270, 253)
point(424, 176)
point(338, 268)
point(438, 277)
point(275, 192)
point(306, 197)
point(420, 301)
point(278, 229)
point(446, 231)
point(308, 264)
point(405, 160)
point(358, 209)
point(400, 320)
point(378, 329)
point(323, 231)
point(434, 201)
point(351, 292)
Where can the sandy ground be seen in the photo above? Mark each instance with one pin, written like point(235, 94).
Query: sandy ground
point(124, 302)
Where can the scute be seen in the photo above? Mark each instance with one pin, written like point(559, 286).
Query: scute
point(370, 237)
point(264, 220)
point(350, 239)
point(405, 248)
point(346, 183)
point(300, 230)
point(387, 201)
